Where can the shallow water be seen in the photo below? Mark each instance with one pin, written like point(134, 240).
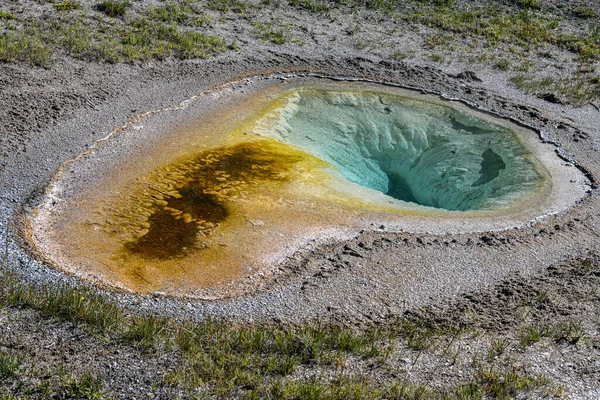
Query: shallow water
point(200, 194)
point(413, 151)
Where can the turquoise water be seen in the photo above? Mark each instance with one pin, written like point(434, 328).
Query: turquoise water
point(411, 150)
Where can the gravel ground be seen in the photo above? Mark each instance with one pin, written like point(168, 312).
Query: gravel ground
point(48, 116)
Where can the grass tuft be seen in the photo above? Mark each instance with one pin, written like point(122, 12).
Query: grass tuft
point(114, 8)
point(584, 12)
point(85, 387)
point(236, 6)
point(577, 90)
point(9, 365)
point(269, 33)
point(147, 331)
point(497, 348)
point(503, 64)
point(25, 45)
point(437, 58)
point(6, 15)
point(570, 332)
point(67, 5)
point(528, 4)
point(63, 302)
point(400, 55)
point(530, 335)
point(179, 13)
point(315, 6)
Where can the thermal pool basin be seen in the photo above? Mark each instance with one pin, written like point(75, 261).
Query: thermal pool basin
point(225, 186)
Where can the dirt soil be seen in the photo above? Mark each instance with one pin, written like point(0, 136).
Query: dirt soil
point(501, 281)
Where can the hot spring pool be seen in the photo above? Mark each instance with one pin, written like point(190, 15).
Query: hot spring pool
point(200, 197)
point(413, 151)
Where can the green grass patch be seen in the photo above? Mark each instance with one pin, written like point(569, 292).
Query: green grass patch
point(532, 334)
point(578, 90)
point(25, 45)
point(224, 360)
point(258, 359)
point(114, 8)
point(183, 13)
point(341, 388)
point(270, 33)
point(400, 55)
point(502, 64)
point(9, 365)
point(437, 57)
point(571, 332)
point(159, 36)
point(315, 6)
point(236, 6)
point(497, 349)
point(67, 5)
point(584, 12)
point(526, 28)
point(524, 25)
point(63, 302)
point(147, 331)
point(6, 15)
point(145, 39)
point(527, 4)
point(498, 384)
point(84, 387)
